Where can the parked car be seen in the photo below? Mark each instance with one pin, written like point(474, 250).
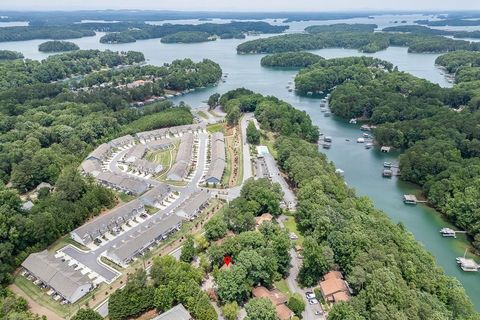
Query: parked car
point(310, 295)
point(313, 301)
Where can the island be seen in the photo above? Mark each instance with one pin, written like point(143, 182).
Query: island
point(57, 46)
point(10, 55)
point(187, 37)
point(290, 60)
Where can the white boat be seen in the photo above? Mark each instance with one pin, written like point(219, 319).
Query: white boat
point(360, 140)
point(327, 139)
point(387, 164)
point(353, 121)
point(447, 232)
point(366, 135)
point(368, 145)
point(340, 172)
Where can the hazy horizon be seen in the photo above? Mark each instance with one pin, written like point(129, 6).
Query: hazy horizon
point(246, 5)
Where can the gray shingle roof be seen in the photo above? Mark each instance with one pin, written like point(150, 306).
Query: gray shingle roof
point(123, 183)
point(146, 166)
point(143, 238)
point(136, 152)
point(58, 275)
point(159, 144)
point(121, 141)
point(92, 167)
point(182, 160)
point(157, 194)
point(190, 207)
point(100, 153)
point(101, 224)
point(176, 313)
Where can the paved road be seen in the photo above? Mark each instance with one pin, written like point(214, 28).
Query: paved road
point(247, 162)
point(296, 263)
point(90, 259)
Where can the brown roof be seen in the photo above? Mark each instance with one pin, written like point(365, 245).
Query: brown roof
point(283, 312)
point(332, 286)
point(333, 275)
point(263, 218)
point(341, 296)
point(274, 295)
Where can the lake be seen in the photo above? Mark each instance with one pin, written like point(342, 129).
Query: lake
point(362, 167)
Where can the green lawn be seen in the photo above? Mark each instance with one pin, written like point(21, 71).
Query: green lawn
point(268, 140)
point(202, 114)
point(217, 127)
point(163, 157)
point(64, 241)
point(282, 286)
point(125, 197)
point(291, 226)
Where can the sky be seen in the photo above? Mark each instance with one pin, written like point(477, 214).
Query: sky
point(243, 5)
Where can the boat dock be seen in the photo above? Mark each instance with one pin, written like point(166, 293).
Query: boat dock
point(468, 265)
point(412, 199)
point(447, 232)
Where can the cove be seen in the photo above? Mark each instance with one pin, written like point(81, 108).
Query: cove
point(362, 167)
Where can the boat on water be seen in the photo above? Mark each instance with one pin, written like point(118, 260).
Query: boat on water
point(290, 90)
point(447, 232)
point(387, 164)
point(366, 135)
point(340, 172)
point(327, 139)
point(361, 140)
point(468, 265)
point(353, 121)
point(309, 93)
point(387, 173)
point(365, 128)
point(368, 145)
point(323, 109)
point(326, 145)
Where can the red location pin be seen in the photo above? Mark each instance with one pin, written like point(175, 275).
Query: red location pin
point(227, 260)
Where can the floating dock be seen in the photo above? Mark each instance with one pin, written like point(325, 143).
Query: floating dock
point(468, 265)
point(411, 199)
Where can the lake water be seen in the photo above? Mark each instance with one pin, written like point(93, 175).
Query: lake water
point(362, 167)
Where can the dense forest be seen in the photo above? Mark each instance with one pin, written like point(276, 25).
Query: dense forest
point(342, 27)
point(187, 37)
point(326, 74)
point(450, 22)
point(15, 74)
point(278, 116)
point(290, 60)
point(389, 272)
point(363, 41)
point(44, 32)
point(429, 31)
point(57, 46)
point(47, 129)
point(437, 128)
point(159, 31)
point(10, 55)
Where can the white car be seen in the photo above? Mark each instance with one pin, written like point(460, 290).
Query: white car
point(310, 295)
point(313, 301)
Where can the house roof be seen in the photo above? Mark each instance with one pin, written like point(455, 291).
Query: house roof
point(92, 166)
point(156, 194)
point(136, 152)
point(263, 218)
point(185, 148)
point(145, 165)
point(333, 285)
point(100, 224)
point(333, 275)
point(217, 167)
point(157, 144)
point(176, 313)
point(191, 206)
point(56, 274)
point(341, 296)
point(274, 295)
point(284, 312)
point(143, 237)
point(101, 152)
point(118, 181)
point(121, 141)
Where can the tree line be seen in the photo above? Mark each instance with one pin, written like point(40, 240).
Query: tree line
point(179, 32)
point(57, 46)
point(367, 42)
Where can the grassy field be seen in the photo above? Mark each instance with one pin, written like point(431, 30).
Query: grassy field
point(64, 241)
point(125, 197)
point(217, 127)
point(291, 226)
point(202, 114)
point(163, 157)
point(268, 140)
point(282, 286)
